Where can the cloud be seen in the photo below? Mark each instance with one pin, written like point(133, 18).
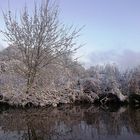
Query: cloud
point(1, 47)
point(124, 59)
point(129, 59)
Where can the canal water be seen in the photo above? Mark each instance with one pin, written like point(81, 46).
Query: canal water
point(70, 123)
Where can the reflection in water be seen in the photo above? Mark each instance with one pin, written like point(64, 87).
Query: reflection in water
point(70, 123)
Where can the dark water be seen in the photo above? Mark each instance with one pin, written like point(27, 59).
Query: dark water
point(70, 123)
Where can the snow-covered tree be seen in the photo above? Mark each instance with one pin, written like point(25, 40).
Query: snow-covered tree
point(40, 39)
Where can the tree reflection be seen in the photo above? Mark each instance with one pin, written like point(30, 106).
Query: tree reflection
point(134, 120)
point(69, 122)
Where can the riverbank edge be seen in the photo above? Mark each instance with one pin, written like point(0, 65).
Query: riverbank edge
point(65, 96)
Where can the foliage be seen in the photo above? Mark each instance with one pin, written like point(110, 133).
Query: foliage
point(40, 40)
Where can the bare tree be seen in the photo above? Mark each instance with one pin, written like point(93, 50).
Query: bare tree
point(40, 38)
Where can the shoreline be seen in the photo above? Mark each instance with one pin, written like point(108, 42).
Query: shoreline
point(66, 96)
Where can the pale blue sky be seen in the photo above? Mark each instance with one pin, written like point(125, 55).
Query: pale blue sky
point(111, 26)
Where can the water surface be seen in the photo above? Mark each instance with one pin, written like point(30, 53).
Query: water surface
point(70, 123)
